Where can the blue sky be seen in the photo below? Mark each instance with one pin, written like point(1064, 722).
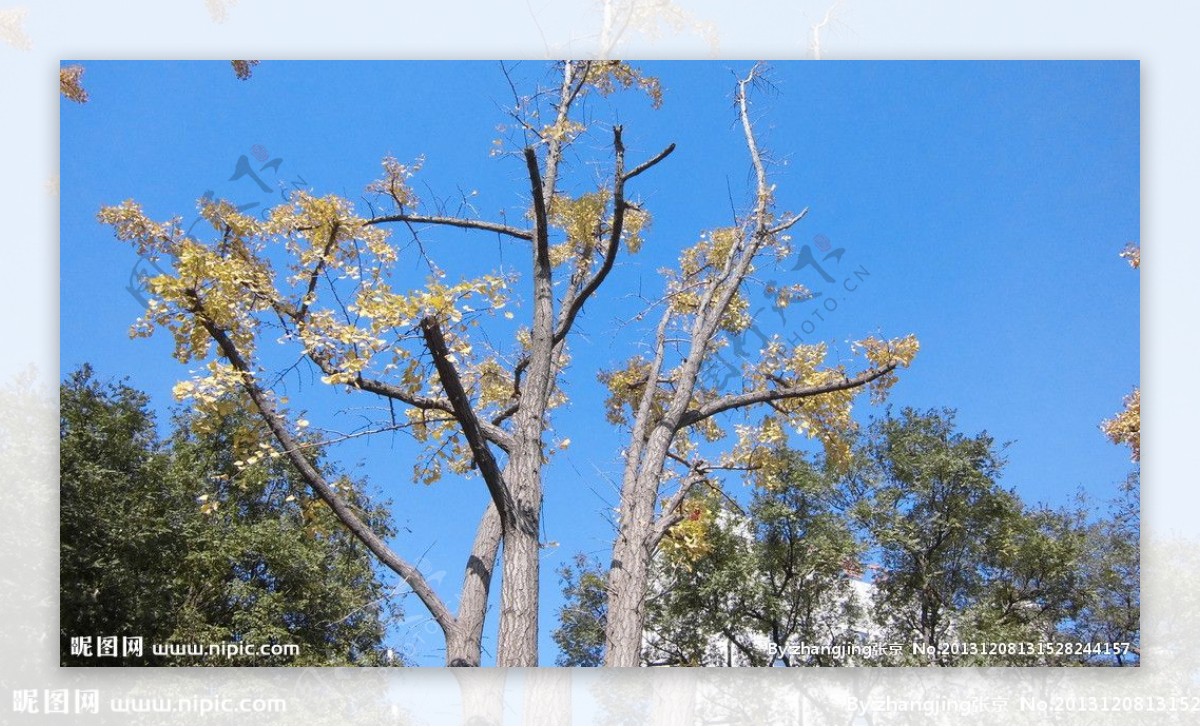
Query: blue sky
point(982, 205)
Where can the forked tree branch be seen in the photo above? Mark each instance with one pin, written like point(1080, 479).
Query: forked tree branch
point(576, 302)
point(493, 432)
point(614, 238)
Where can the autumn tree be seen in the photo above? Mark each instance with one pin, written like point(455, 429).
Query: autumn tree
point(669, 401)
point(1126, 426)
point(319, 277)
point(337, 306)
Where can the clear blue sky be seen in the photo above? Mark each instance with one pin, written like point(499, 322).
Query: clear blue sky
point(986, 201)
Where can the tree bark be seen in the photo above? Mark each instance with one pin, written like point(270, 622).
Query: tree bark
point(464, 647)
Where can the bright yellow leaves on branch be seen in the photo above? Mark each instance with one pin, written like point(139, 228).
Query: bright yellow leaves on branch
point(583, 219)
point(625, 388)
point(898, 352)
point(395, 182)
point(826, 416)
point(603, 78)
point(1126, 427)
point(130, 224)
point(586, 222)
point(690, 539)
point(701, 267)
point(70, 84)
point(609, 76)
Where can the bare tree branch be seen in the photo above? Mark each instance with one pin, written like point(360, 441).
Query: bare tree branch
point(649, 163)
point(454, 222)
point(467, 420)
point(735, 401)
point(541, 237)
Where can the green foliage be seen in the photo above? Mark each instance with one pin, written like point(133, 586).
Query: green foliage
point(1111, 567)
point(182, 541)
point(963, 559)
point(959, 559)
point(581, 620)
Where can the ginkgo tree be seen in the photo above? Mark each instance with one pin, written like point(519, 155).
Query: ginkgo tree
point(667, 403)
point(318, 277)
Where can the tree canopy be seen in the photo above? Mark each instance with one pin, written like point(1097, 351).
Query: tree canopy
point(914, 543)
point(201, 539)
point(315, 277)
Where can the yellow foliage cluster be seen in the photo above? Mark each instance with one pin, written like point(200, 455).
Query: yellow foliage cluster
point(582, 219)
point(636, 222)
point(70, 84)
point(690, 539)
point(825, 417)
point(625, 388)
point(446, 302)
point(130, 224)
point(608, 76)
point(699, 266)
point(563, 131)
point(711, 252)
point(898, 351)
point(495, 384)
point(394, 182)
point(228, 285)
point(1126, 427)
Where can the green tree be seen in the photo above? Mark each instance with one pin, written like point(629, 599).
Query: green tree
point(729, 582)
point(202, 538)
point(959, 559)
point(1111, 608)
point(581, 619)
point(962, 558)
point(773, 575)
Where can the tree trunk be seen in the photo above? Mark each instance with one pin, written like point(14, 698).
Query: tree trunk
point(481, 694)
point(517, 643)
point(547, 697)
point(628, 580)
point(462, 648)
point(464, 645)
point(629, 575)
